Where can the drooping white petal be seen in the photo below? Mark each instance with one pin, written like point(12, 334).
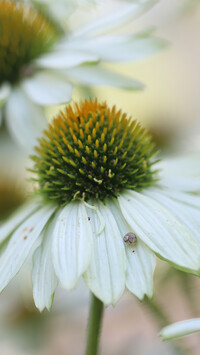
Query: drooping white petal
point(43, 276)
point(116, 48)
point(181, 173)
point(187, 214)
point(187, 184)
point(118, 17)
point(180, 329)
point(25, 120)
point(160, 230)
point(21, 243)
point(140, 259)
point(63, 59)
point(16, 218)
point(181, 196)
point(141, 264)
point(47, 88)
point(106, 273)
point(186, 165)
point(59, 10)
point(97, 75)
point(72, 244)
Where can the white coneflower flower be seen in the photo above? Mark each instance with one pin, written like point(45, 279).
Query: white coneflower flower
point(39, 63)
point(103, 212)
point(180, 329)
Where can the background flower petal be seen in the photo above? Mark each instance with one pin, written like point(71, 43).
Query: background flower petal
point(47, 88)
point(118, 17)
point(24, 119)
point(62, 59)
point(97, 75)
point(118, 48)
point(180, 329)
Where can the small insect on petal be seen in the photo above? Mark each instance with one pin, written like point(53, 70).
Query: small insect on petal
point(130, 238)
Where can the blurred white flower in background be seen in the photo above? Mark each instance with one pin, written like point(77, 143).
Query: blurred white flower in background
point(61, 9)
point(171, 101)
point(43, 74)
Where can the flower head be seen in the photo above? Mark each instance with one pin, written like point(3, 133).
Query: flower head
point(40, 63)
point(93, 152)
point(103, 211)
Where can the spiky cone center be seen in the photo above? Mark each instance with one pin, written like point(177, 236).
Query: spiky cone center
point(25, 33)
point(93, 152)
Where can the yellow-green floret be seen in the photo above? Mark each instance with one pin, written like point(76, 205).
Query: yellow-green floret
point(93, 152)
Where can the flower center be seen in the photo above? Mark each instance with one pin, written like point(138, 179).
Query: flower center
point(91, 151)
point(24, 35)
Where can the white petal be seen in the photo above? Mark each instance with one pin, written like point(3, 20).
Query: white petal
point(25, 120)
point(117, 48)
point(143, 262)
point(140, 259)
point(181, 173)
point(97, 75)
point(72, 244)
point(21, 243)
point(180, 329)
point(188, 215)
point(18, 217)
point(4, 92)
point(106, 274)
point(43, 275)
point(187, 165)
point(186, 184)
point(116, 18)
point(59, 10)
point(48, 88)
point(181, 196)
point(160, 230)
point(66, 59)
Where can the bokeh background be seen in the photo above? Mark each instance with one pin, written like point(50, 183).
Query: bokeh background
point(170, 108)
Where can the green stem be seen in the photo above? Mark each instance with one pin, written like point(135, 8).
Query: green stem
point(94, 326)
point(157, 311)
point(163, 320)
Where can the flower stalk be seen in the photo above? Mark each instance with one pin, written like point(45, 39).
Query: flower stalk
point(94, 326)
point(157, 311)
